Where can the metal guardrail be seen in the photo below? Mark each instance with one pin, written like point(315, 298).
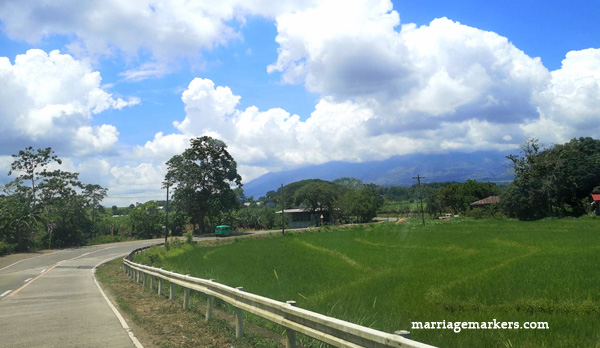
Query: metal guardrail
point(326, 329)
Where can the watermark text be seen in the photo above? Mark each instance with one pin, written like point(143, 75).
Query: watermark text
point(458, 326)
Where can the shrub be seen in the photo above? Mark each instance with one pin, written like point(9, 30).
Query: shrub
point(6, 248)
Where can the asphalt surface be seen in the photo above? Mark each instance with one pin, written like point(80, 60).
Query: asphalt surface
point(52, 300)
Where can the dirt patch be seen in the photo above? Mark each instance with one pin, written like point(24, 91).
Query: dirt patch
point(159, 322)
point(401, 220)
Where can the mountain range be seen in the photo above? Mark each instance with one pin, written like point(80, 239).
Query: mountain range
point(396, 171)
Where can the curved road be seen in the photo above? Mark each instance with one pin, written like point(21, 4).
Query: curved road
point(52, 300)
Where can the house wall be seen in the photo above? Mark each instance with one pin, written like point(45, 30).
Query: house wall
point(301, 220)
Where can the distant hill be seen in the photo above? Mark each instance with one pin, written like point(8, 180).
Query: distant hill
point(396, 171)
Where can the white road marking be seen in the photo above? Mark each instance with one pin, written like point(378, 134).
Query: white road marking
point(44, 270)
point(30, 258)
point(5, 293)
point(26, 280)
point(134, 339)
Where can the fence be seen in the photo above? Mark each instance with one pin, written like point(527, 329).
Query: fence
point(332, 331)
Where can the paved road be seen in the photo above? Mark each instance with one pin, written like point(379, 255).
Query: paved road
point(52, 300)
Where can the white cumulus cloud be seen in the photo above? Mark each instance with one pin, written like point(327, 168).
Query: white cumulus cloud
point(384, 87)
point(50, 99)
point(164, 30)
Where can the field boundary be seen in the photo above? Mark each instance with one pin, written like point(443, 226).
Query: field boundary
point(326, 329)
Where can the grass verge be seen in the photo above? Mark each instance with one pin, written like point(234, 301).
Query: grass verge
point(158, 322)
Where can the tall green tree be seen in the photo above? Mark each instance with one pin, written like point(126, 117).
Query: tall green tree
point(40, 198)
point(204, 177)
point(318, 197)
point(93, 195)
point(552, 181)
point(19, 219)
point(64, 208)
point(30, 164)
point(357, 201)
point(146, 220)
point(457, 197)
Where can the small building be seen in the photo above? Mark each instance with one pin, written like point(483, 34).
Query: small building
point(486, 201)
point(596, 203)
point(299, 218)
point(302, 217)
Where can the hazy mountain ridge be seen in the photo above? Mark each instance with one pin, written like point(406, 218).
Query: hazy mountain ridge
point(399, 170)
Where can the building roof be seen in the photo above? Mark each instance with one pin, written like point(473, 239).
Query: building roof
point(487, 200)
point(596, 196)
point(293, 210)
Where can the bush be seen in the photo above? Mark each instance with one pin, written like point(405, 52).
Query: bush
point(153, 256)
point(6, 248)
point(105, 239)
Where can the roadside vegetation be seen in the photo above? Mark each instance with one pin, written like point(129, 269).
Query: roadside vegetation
point(163, 323)
point(44, 208)
point(387, 275)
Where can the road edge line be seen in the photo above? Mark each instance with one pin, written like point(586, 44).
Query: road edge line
point(126, 327)
point(30, 258)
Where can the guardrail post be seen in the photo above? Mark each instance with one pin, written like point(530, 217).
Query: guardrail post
point(403, 333)
point(172, 292)
point(186, 298)
point(152, 283)
point(290, 334)
point(160, 286)
point(137, 276)
point(145, 276)
point(239, 319)
point(210, 302)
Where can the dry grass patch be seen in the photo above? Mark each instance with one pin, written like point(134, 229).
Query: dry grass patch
point(158, 322)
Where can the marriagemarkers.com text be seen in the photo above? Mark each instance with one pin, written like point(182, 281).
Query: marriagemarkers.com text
point(457, 326)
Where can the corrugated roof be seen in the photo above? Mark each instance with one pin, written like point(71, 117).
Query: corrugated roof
point(596, 196)
point(293, 210)
point(487, 200)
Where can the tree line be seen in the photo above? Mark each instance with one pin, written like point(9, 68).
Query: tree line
point(207, 190)
point(553, 182)
point(44, 207)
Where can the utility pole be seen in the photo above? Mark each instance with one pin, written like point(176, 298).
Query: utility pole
point(418, 177)
point(167, 219)
point(282, 212)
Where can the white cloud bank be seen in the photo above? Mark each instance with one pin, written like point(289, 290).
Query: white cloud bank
point(384, 88)
point(164, 30)
point(387, 91)
point(50, 98)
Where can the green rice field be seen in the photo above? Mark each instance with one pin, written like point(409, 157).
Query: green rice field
point(388, 275)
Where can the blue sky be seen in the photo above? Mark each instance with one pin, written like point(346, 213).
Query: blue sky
point(118, 88)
